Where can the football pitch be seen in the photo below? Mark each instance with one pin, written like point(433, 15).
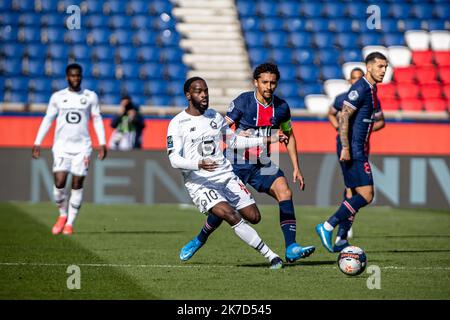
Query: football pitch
point(131, 252)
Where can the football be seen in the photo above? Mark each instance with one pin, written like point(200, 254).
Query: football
point(352, 261)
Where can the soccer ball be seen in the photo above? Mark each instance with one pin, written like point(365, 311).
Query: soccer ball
point(352, 261)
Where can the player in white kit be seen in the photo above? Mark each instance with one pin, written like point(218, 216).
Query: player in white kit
point(72, 108)
point(194, 138)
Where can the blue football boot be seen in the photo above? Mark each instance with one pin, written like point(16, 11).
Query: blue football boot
point(295, 252)
point(190, 249)
point(341, 247)
point(325, 236)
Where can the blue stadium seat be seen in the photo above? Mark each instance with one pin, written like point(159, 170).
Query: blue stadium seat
point(109, 86)
point(399, 10)
point(171, 54)
point(94, 6)
point(158, 87)
point(259, 55)
point(157, 7)
point(80, 52)
point(75, 36)
point(254, 39)
point(30, 34)
point(19, 96)
point(413, 24)
point(394, 39)
point(303, 56)
point(436, 24)
point(36, 68)
point(289, 8)
point(122, 37)
point(57, 68)
point(370, 39)
point(23, 6)
point(138, 7)
point(116, 6)
point(103, 53)
point(8, 34)
point(288, 89)
point(173, 88)
point(133, 87)
point(294, 25)
point(300, 39)
point(441, 11)
point(30, 20)
point(310, 88)
point(40, 97)
point(9, 18)
point(90, 83)
point(331, 72)
point(148, 53)
point(35, 50)
point(311, 9)
point(356, 10)
point(141, 22)
point(58, 84)
point(130, 70)
point(94, 21)
point(112, 99)
point(99, 36)
point(176, 71)
point(160, 100)
point(324, 39)
point(144, 37)
point(12, 67)
point(389, 25)
point(349, 55)
point(266, 8)
point(49, 5)
point(246, 8)
point(119, 22)
point(332, 10)
point(53, 35)
point(152, 70)
point(308, 73)
point(168, 38)
point(276, 38)
point(287, 72)
point(11, 49)
point(104, 70)
point(40, 85)
point(160, 23)
point(281, 55)
point(422, 11)
point(127, 53)
point(271, 24)
point(250, 23)
point(178, 101)
point(17, 83)
point(296, 103)
point(340, 25)
point(328, 56)
point(317, 25)
point(50, 19)
point(5, 5)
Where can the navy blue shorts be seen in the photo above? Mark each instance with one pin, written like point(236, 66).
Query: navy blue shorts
point(356, 173)
point(260, 177)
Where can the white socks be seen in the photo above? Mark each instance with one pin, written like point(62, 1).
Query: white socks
point(251, 237)
point(59, 196)
point(76, 197)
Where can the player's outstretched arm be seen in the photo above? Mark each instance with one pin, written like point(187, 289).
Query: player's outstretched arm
point(346, 114)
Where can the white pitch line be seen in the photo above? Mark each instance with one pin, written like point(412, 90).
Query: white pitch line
point(112, 265)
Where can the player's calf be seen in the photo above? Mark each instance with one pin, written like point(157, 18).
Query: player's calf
point(75, 200)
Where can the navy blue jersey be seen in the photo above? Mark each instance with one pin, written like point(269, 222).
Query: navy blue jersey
point(362, 97)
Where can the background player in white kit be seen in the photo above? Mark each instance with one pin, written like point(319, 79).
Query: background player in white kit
point(71, 107)
point(194, 140)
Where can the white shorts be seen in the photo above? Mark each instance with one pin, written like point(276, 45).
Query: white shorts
point(233, 192)
point(77, 163)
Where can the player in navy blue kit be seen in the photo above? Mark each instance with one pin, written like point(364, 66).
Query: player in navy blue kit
point(343, 232)
point(360, 110)
point(255, 114)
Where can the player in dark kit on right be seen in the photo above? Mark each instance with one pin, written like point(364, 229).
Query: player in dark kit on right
point(358, 115)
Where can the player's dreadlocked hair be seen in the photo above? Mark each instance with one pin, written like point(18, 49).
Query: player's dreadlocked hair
point(375, 55)
point(73, 66)
point(266, 67)
point(187, 84)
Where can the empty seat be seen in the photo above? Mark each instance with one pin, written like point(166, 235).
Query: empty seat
point(104, 70)
point(351, 55)
point(370, 39)
point(328, 57)
point(17, 83)
point(35, 68)
point(138, 7)
point(121, 37)
point(119, 22)
point(411, 104)
point(442, 10)
point(407, 90)
point(56, 68)
point(254, 39)
point(389, 104)
point(387, 91)
point(176, 71)
point(422, 58)
point(289, 8)
point(97, 21)
point(159, 100)
point(288, 89)
point(399, 56)
point(393, 39)
point(39, 97)
point(108, 86)
point(110, 99)
point(259, 55)
point(266, 8)
point(349, 66)
point(308, 73)
point(174, 87)
point(310, 88)
point(75, 36)
point(294, 24)
point(440, 40)
point(347, 40)
point(323, 39)
point(103, 53)
point(133, 88)
point(369, 49)
point(99, 36)
point(173, 54)
point(246, 8)
point(422, 11)
point(399, 10)
point(162, 22)
point(446, 91)
point(317, 103)
point(300, 39)
point(157, 87)
point(436, 24)
point(296, 102)
point(428, 91)
point(178, 101)
point(271, 24)
point(317, 25)
point(444, 74)
point(115, 7)
point(435, 105)
point(35, 51)
point(334, 87)
point(251, 23)
point(333, 10)
point(130, 70)
point(287, 72)
point(144, 37)
point(405, 74)
point(356, 10)
point(17, 96)
point(303, 56)
point(310, 9)
point(417, 40)
point(30, 34)
point(442, 58)
point(152, 70)
point(331, 72)
point(281, 55)
point(276, 39)
point(41, 84)
point(58, 51)
point(425, 75)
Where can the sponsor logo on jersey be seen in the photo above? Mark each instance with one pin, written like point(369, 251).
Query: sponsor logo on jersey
point(192, 129)
point(213, 124)
point(353, 95)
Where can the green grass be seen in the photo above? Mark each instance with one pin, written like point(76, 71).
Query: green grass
point(131, 252)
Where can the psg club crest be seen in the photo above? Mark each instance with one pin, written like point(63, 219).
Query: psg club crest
point(213, 124)
point(353, 95)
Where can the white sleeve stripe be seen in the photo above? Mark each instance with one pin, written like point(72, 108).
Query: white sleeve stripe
point(229, 119)
point(348, 104)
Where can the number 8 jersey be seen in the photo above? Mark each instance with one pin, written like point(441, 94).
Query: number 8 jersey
point(72, 111)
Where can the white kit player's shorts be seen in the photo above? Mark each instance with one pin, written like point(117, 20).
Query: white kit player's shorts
point(77, 163)
point(232, 191)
